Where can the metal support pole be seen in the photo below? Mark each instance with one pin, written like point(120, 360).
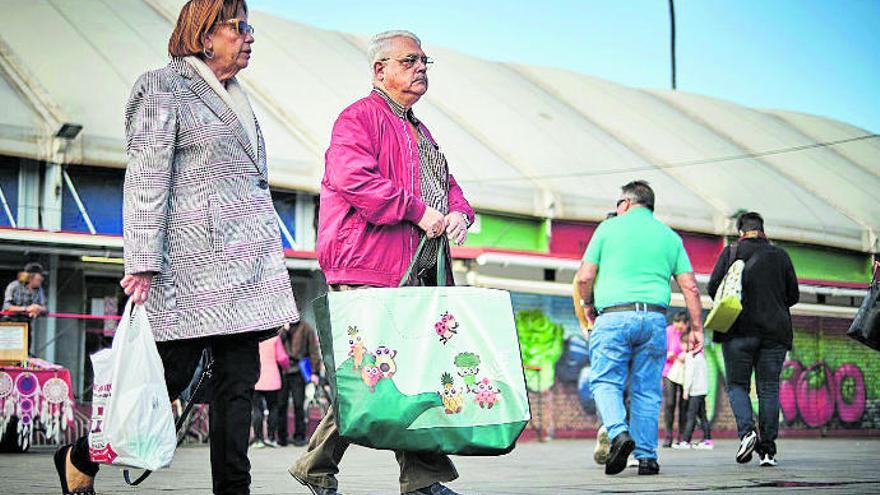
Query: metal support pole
point(52, 306)
point(285, 231)
point(6, 209)
point(79, 204)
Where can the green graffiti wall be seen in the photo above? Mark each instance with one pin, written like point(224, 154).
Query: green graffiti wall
point(829, 381)
point(507, 232)
point(821, 263)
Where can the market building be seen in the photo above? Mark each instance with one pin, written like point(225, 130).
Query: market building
point(540, 153)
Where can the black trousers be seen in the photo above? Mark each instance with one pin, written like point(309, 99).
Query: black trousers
point(266, 400)
point(742, 355)
point(696, 411)
point(293, 385)
point(235, 372)
point(672, 399)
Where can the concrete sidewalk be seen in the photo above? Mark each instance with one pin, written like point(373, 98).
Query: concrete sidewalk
point(839, 466)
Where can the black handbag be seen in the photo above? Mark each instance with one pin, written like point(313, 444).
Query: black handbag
point(866, 326)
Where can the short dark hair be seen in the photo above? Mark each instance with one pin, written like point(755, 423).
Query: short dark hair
point(640, 192)
point(750, 221)
point(33, 268)
point(681, 316)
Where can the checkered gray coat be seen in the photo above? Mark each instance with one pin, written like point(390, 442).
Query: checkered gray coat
point(198, 212)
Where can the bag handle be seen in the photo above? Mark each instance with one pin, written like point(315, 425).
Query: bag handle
point(206, 375)
point(442, 260)
point(733, 247)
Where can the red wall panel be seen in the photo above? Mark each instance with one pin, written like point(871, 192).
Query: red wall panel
point(570, 239)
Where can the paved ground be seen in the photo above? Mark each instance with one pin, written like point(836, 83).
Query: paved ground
point(838, 466)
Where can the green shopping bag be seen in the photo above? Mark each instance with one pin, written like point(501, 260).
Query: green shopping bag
point(430, 369)
point(728, 299)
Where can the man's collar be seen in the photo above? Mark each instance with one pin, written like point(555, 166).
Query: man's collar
point(640, 210)
point(397, 108)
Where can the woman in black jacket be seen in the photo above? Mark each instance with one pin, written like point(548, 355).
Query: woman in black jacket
point(761, 336)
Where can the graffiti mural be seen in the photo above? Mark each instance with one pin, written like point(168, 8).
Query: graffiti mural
point(828, 381)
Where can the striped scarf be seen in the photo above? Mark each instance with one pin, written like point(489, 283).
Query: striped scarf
point(433, 179)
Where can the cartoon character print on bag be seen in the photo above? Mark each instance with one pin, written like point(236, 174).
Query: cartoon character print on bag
point(385, 361)
point(371, 376)
point(468, 365)
point(453, 402)
point(486, 394)
point(357, 349)
point(446, 327)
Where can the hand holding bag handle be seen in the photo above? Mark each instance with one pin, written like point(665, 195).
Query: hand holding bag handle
point(442, 260)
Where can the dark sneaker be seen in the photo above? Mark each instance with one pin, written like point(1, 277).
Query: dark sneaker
point(300, 442)
point(649, 466)
point(315, 489)
point(768, 460)
point(621, 447)
point(667, 443)
point(435, 489)
point(746, 447)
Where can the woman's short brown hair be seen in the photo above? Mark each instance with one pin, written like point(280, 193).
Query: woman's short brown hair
point(197, 18)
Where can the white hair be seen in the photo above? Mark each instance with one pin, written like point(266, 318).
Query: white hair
point(380, 44)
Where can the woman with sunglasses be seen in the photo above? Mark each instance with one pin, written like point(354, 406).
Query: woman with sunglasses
point(202, 246)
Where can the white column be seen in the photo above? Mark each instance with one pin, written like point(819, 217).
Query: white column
point(50, 204)
point(304, 219)
point(29, 194)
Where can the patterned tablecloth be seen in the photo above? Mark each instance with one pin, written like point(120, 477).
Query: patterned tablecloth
point(37, 396)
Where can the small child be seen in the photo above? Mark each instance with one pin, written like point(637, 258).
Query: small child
point(696, 386)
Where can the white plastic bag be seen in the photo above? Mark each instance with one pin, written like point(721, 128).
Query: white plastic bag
point(131, 422)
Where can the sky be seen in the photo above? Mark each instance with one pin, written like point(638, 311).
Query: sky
point(817, 57)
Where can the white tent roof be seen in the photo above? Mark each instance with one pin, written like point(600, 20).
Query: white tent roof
point(520, 139)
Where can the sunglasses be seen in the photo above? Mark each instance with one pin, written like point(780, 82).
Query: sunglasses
point(240, 26)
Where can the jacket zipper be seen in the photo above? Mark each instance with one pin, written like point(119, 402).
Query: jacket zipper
point(412, 181)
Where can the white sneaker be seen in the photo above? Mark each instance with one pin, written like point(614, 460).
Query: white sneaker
point(746, 447)
point(768, 460)
point(681, 446)
point(271, 443)
point(258, 444)
point(704, 445)
point(603, 445)
point(632, 462)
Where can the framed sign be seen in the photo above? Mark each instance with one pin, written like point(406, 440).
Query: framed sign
point(13, 342)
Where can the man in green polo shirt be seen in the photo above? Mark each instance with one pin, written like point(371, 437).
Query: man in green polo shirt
point(627, 267)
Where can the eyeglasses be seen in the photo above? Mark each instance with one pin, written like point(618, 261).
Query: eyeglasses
point(410, 60)
point(241, 26)
point(621, 201)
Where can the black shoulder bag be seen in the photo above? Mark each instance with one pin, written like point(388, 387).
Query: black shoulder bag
point(866, 326)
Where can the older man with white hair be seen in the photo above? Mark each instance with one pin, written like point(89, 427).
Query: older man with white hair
point(386, 184)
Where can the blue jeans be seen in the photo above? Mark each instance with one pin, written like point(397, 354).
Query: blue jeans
point(745, 354)
point(623, 343)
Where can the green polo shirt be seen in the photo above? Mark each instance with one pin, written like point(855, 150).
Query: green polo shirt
point(637, 255)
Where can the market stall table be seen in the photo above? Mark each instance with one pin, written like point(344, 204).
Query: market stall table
point(35, 397)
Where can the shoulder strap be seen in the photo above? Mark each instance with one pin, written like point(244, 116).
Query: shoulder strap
point(733, 248)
